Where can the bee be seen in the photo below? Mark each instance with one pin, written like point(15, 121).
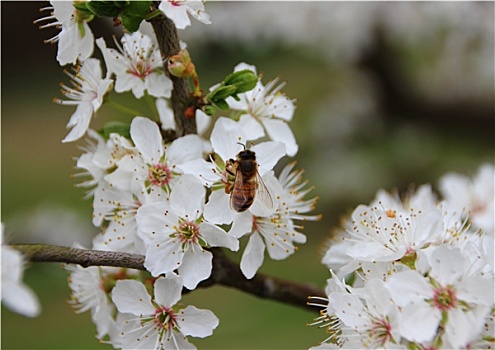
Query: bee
point(247, 182)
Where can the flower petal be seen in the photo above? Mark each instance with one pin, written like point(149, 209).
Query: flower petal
point(253, 256)
point(158, 85)
point(196, 267)
point(225, 137)
point(197, 323)
point(216, 237)
point(278, 130)
point(146, 136)
point(268, 154)
point(187, 197)
point(253, 129)
point(79, 121)
point(130, 296)
point(168, 290)
point(217, 210)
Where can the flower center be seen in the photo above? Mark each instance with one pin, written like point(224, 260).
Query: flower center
point(381, 331)
point(164, 318)
point(159, 175)
point(444, 298)
point(188, 232)
point(141, 70)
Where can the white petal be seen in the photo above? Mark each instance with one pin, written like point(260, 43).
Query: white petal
point(155, 221)
point(349, 309)
point(217, 210)
point(197, 323)
point(253, 129)
point(72, 46)
point(178, 14)
point(163, 256)
point(464, 327)
point(242, 224)
point(114, 61)
point(196, 267)
point(202, 170)
point(166, 114)
point(184, 149)
point(168, 291)
point(187, 197)
point(244, 66)
point(225, 137)
point(20, 299)
point(419, 322)
point(216, 237)
point(409, 287)
point(133, 335)
point(131, 296)
point(447, 264)
point(476, 290)
point(79, 121)
point(158, 85)
point(278, 130)
point(253, 256)
point(102, 89)
point(146, 136)
point(176, 341)
point(268, 154)
point(203, 121)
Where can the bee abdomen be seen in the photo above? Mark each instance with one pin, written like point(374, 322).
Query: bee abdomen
point(242, 199)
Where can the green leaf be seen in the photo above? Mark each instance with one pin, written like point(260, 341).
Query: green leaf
point(115, 127)
point(138, 8)
point(221, 104)
point(134, 13)
point(209, 110)
point(245, 80)
point(82, 7)
point(221, 92)
point(105, 8)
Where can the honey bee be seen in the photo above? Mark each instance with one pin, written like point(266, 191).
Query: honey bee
point(247, 182)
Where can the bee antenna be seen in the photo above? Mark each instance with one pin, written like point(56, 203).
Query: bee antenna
point(243, 145)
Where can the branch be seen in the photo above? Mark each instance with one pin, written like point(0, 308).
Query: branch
point(169, 44)
point(225, 272)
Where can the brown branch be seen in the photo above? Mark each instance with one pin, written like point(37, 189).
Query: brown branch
point(225, 272)
point(169, 44)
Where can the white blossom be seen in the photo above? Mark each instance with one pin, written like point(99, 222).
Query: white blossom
point(179, 10)
point(15, 294)
point(158, 322)
point(75, 39)
point(138, 66)
point(87, 94)
point(176, 234)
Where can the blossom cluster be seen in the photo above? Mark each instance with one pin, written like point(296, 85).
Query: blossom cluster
point(171, 199)
point(415, 273)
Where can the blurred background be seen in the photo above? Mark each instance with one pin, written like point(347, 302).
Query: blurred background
point(389, 95)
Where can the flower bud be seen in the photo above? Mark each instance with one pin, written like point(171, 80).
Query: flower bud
point(180, 65)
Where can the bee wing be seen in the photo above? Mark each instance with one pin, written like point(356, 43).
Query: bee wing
point(239, 197)
point(262, 193)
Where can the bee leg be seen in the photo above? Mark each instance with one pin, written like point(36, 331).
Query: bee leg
point(228, 187)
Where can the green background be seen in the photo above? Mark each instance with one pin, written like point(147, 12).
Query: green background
point(404, 141)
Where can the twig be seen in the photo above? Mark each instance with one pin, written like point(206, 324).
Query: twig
point(225, 272)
